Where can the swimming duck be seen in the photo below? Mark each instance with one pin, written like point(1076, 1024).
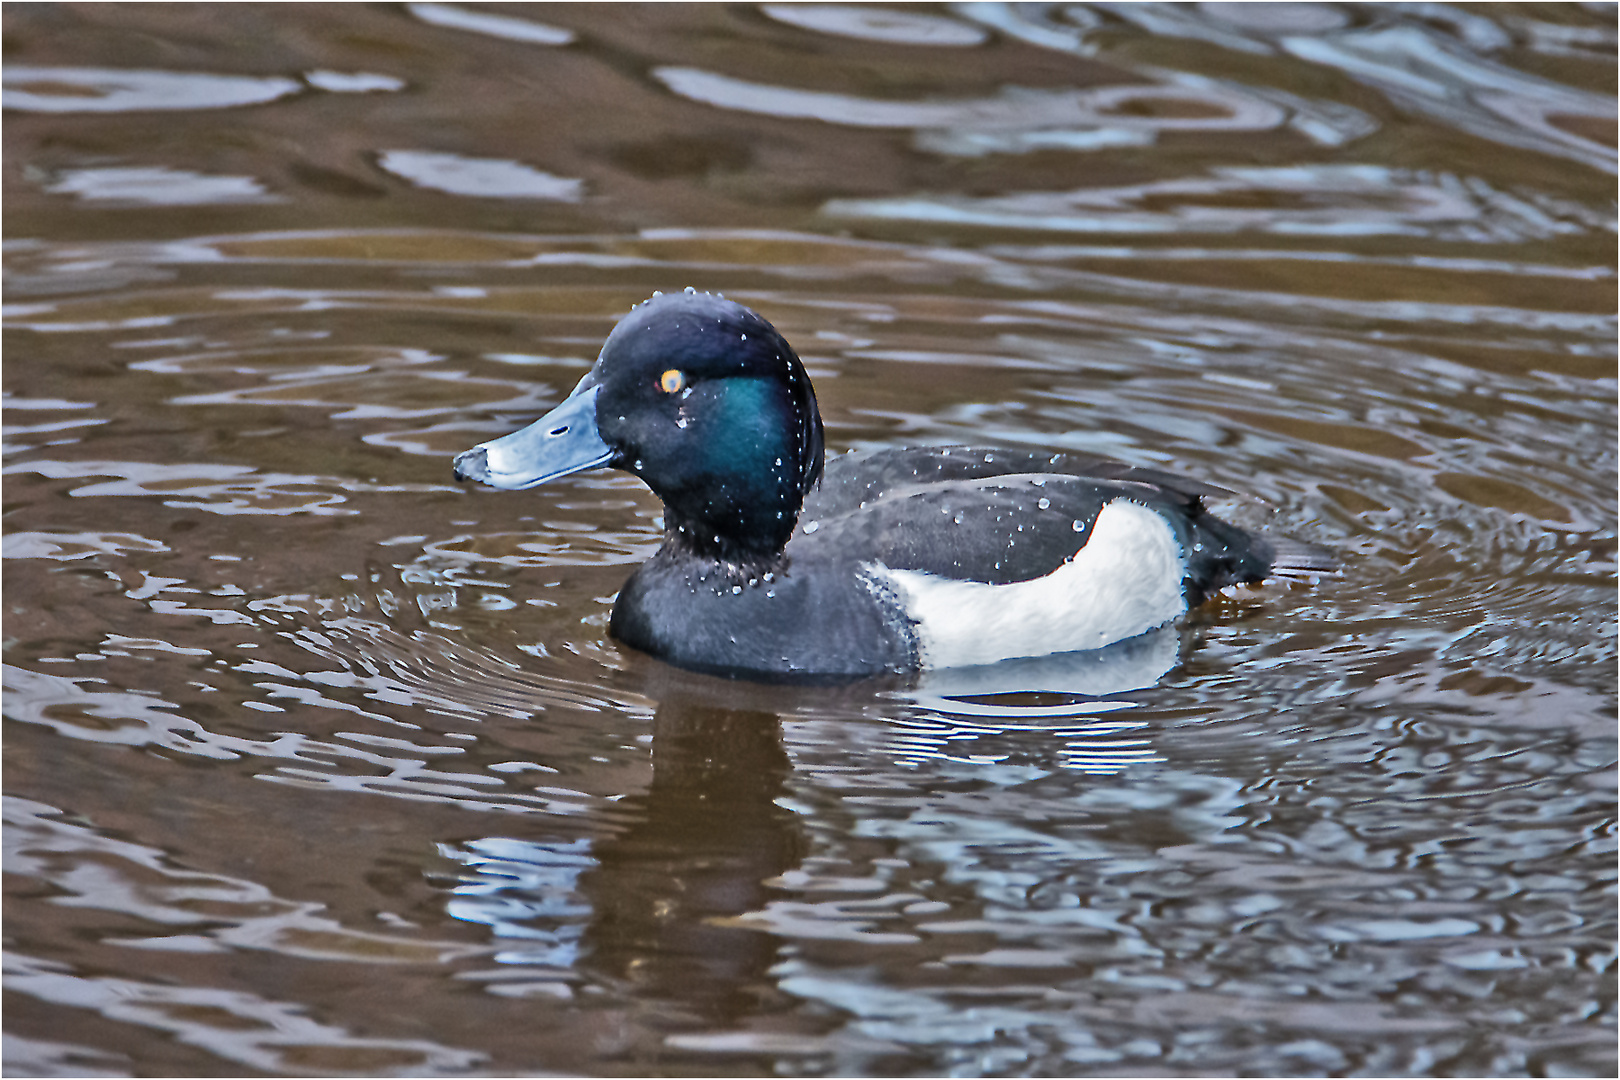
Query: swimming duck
point(774, 567)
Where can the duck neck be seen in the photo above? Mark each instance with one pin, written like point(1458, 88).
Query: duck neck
point(740, 556)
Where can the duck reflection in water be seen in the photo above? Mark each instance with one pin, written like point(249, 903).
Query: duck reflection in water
point(650, 908)
point(644, 908)
point(709, 835)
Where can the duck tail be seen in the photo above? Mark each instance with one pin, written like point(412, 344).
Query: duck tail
point(1297, 560)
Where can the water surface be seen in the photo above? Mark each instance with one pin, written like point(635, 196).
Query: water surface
point(318, 763)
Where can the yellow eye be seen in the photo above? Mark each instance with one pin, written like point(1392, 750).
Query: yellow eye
point(672, 380)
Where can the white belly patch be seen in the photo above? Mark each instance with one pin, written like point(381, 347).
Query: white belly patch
point(1124, 582)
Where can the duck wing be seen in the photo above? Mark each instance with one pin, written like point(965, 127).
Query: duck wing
point(1003, 516)
point(1023, 526)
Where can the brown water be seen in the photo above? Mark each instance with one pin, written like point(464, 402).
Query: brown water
point(317, 763)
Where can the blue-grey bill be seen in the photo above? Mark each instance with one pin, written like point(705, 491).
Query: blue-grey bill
point(563, 441)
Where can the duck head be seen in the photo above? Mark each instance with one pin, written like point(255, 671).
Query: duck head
point(706, 403)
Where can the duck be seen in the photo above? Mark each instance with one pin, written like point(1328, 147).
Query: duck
point(777, 565)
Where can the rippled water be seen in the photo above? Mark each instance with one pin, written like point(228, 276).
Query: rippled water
point(317, 763)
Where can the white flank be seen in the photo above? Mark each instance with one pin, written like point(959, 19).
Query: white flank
point(1124, 582)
